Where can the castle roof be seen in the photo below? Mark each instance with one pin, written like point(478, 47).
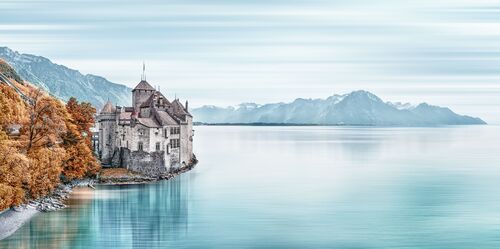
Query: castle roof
point(108, 108)
point(144, 85)
point(150, 101)
point(165, 119)
point(149, 122)
point(179, 109)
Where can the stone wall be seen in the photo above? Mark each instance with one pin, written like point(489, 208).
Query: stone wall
point(149, 164)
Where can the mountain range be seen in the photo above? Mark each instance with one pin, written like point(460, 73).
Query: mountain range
point(64, 82)
point(355, 108)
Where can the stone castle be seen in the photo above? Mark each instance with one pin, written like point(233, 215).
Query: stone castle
point(153, 136)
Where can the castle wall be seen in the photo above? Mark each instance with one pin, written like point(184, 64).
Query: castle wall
point(150, 164)
point(186, 149)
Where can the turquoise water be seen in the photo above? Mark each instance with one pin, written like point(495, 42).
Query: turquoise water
point(299, 187)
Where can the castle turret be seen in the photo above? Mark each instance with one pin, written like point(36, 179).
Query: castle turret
point(107, 128)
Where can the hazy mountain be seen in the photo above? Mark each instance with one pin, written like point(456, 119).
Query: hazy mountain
point(65, 82)
point(356, 108)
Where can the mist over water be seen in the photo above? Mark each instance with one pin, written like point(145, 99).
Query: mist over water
point(299, 187)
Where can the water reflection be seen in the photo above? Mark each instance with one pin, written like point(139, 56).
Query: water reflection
point(127, 216)
point(299, 187)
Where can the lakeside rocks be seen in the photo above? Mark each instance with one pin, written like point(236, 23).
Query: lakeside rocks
point(55, 200)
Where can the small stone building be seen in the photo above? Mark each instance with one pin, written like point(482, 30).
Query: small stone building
point(152, 136)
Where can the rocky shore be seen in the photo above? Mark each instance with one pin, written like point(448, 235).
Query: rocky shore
point(55, 200)
point(13, 218)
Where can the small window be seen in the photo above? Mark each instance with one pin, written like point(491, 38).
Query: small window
point(166, 135)
point(141, 132)
point(175, 130)
point(174, 143)
point(139, 146)
point(158, 146)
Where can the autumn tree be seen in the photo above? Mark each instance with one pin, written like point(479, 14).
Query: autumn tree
point(12, 108)
point(82, 115)
point(80, 160)
point(45, 123)
point(45, 168)
point(13, 167)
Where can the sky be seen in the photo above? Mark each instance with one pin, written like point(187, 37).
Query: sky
point(225, 52)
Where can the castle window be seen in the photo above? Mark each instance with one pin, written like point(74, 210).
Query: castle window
point(140, 146)
point(158, 146)
point(175, 130)
point(141, 132)
point(174, 143)
point(165, 132)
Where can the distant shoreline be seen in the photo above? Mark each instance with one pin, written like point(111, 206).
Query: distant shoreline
point(269, 124)
point(333, 125)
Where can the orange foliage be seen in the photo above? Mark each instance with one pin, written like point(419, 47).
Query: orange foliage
point(12, 108)
point(13, 166)
point(80, 160)
point(45, 123)
point(44, 170)
point(50, 146)
point(82, 115)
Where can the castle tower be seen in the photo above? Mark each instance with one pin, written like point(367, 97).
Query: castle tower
point(107, 128)
point(142, 91)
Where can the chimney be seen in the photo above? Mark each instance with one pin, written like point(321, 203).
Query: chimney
point(186, 106)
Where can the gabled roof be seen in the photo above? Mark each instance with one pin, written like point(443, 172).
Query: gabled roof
point(178, 108)
point(150, 101)
point(144, 85)
point(165, 119)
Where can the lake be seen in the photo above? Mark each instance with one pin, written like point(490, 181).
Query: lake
point(299, 187)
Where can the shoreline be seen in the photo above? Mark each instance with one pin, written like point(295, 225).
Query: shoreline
point(14, 218)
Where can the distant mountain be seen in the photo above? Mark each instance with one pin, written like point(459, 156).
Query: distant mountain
point(355, 108)
point(64, 82)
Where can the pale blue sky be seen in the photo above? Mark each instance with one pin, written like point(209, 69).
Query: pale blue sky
point(223, 52)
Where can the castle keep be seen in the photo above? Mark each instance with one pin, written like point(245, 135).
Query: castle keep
point(153, 136)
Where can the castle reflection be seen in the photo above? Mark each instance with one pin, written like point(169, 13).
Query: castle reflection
point(126, 216)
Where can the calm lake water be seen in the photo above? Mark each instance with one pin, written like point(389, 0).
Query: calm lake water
point(299, 187)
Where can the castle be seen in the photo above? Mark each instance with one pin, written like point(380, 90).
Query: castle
point(153, 136)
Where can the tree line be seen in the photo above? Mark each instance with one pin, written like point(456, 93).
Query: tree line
point(53, 144)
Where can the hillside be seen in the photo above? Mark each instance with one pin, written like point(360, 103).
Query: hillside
point(65, 82)
point(355, 108)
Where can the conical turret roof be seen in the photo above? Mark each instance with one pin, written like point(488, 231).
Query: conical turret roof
point(108, 108)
